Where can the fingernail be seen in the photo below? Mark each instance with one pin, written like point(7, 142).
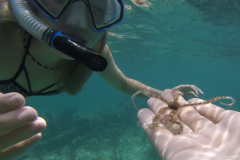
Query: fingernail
point(140, 115)
point(151, 101)
point(28, 114)
point(36, 138)
point(39, 125)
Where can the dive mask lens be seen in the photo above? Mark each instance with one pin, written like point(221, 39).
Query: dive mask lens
point(105, 13)
point(52, 9)
point(78, 15)
point(97, 14)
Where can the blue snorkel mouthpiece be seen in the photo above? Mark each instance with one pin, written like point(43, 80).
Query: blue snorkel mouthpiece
point(78, 51)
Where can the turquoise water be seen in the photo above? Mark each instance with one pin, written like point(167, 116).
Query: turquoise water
point(168, 44)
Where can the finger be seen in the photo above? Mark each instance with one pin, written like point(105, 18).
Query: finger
point(15, 136)
point(200, 91)
point(197, 90)
point(159, 137)
point(145, 117)
point(17, 118)
point(19, 148)
point(210, 111)
point(156, 105)
point(11, 101)
point(190, 117)
point(193, 94)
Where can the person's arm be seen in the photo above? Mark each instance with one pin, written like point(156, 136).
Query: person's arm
point(114, 76)
point(118, 80)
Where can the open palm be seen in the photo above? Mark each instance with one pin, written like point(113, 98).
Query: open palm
point(210, 132)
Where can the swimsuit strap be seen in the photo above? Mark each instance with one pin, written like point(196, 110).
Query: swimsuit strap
point(27, 46)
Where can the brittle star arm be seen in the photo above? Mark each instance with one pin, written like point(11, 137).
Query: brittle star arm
point(211, 101)
point(148, 94)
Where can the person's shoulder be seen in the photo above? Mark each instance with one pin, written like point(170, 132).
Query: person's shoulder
point(106, 48)
point(106, 51)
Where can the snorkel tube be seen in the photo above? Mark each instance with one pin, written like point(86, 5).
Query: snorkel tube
point(54, 38)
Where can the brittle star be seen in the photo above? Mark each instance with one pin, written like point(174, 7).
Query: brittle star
point(174, 106)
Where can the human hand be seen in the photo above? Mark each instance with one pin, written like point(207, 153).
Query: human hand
point(210, 132)
point(188, 90)
point(20, 126)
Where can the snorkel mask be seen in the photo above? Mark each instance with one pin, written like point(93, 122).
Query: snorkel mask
point(103, 14)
